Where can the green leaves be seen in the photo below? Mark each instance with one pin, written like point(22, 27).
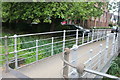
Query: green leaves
point(42, 10)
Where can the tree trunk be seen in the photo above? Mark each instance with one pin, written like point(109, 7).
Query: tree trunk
point(95, 23)
point(83, 23)
point(52, 25)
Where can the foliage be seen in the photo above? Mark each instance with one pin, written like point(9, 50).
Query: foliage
point(114, 68)
point(47, 11)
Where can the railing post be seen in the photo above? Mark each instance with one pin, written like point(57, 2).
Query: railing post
point(64, 39)
point(90, 61)
point(113, 45)
point(104, 34)
point(91, 50)
point(90, 54)
point(97, 34)
point(107, 45)
point(52, 52)
point(88, 39)
point(66, 67)
point(101, 34)
point(116, 42)
point(15, 51)
point(77, 37)
point(6, 55)
point(36, 50)
point(83, 37)
point(92, 34)
point(99, 60)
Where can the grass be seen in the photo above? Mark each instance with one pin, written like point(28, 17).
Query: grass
point(114, 68)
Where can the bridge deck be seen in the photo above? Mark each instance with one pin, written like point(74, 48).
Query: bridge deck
point(54, 64)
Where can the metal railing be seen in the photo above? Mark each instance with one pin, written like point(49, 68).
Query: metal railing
point(96, 62)
point(21, 50)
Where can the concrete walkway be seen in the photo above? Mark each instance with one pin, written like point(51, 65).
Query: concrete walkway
point(52, 66)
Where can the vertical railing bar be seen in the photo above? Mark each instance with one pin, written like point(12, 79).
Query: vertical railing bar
point(64, 39)
point(99, 60)
point(6, 55)
point(52, 52)
point(83, 37)
point(92, 34)
point(90, 60)
point(77, 37)
point(88, 37)
point(105, 34)
point(15, 50)
point(113, 45)
point(97, 34)
point(102, 35)
point(107, 45)
point(36, 50)
point(117, 42)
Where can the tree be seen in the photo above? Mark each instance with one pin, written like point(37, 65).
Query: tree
point(49, 11)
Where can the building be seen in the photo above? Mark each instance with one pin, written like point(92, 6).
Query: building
point(102, 21)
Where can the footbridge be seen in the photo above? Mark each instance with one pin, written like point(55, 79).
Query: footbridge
point(60, 54)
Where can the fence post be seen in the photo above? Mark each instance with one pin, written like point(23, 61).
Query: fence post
point(92, 34)
point(83, 38)
point(36, 50)
point(77, 37)
point(107, 45)
point(99, 60)
point(88, 37)
point(66, 57)
point(52, 53)
point(113, 45)
point(15, 51)
point(6, 55)
point(64, 39)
